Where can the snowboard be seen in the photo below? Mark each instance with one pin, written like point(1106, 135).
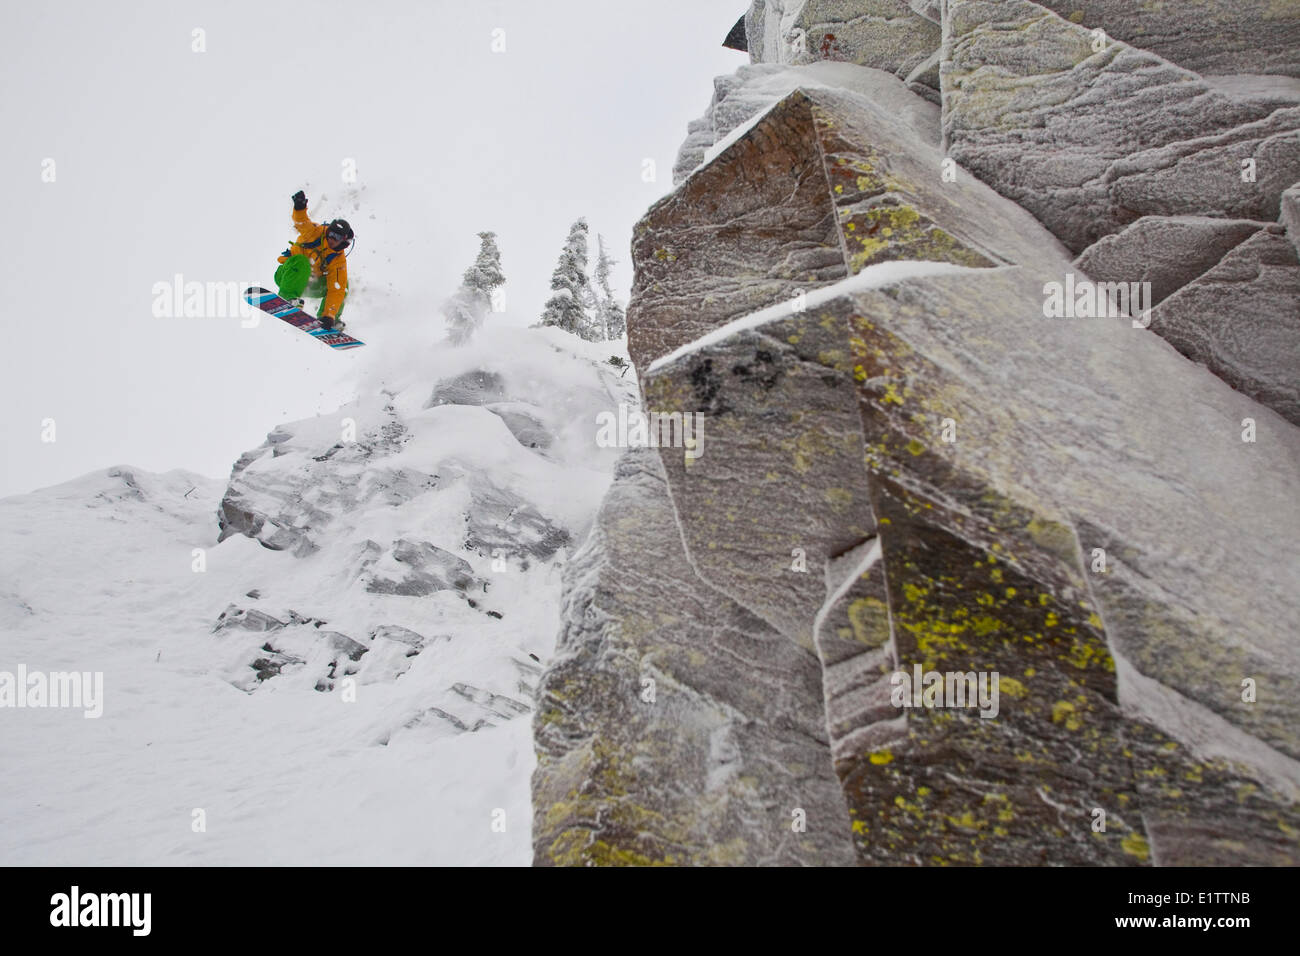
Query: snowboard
point(272, 304)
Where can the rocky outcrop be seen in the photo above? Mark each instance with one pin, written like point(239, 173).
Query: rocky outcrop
point(500, 523)
point(417, 568)
point(1208, 36)
point(1166, 251)
point(736, 39)
point(742, 96)
point(887, 35)
point(293, 487)
point(1089, 134)
point(1290, 217)
point(246, 619)
point(1139, 165)
point(1062, 520)
point(1241, 320)
point(656, 670)
point(1020, 602)
point(414, 516)
point(851, 186)
point(1248, 43)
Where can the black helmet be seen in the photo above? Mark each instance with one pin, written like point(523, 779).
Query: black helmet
point(338, 229)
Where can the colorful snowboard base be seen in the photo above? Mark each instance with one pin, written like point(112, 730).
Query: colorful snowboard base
point(272, 304)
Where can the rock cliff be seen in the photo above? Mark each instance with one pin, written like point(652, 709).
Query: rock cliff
point(914, 458)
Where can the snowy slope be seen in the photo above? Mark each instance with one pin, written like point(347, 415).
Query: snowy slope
point(171, 161)
point(97, 574)
point(425, 538)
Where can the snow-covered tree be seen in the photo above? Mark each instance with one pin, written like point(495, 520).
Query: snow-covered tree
point(610, 317)
point(467, 309)
point(568, 305)
point(591, 327)
point(485, 274)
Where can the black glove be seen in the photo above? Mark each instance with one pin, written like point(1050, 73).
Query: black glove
point(299, 200)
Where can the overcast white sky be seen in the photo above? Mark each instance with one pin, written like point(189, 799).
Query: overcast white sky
point(170, 161)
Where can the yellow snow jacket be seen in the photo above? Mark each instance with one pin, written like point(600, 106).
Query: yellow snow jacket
point(324, 260)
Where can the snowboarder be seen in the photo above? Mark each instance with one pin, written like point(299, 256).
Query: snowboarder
point(316, 264)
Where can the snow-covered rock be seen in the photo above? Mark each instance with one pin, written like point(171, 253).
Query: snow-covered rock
point(415, 508)
point(332, 657)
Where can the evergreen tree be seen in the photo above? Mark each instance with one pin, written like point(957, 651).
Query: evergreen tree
point(467, 309)
point(610, 316)
point(567, 307)
point(591, 327)
point(485, 274)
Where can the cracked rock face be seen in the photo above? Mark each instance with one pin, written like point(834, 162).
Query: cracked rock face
point(1147, 170)
point(1208, 36)
point(939, 479)
point(742, 96)
point(779, 400)
point(889, 35)
point(1024, 592)
point(1240, 320)
point(808, 217)
point(1167, 251)
point(1290, 217)
point(981, 545)
point(670, 728)
point(1089, 140)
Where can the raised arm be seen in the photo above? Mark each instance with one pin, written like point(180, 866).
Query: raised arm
point(300, 219)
